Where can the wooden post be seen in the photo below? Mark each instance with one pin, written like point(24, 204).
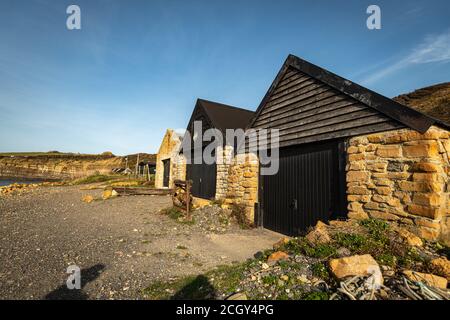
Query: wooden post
point(188, 199)
point(137, 166)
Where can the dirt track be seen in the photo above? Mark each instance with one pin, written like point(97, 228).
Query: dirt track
point(120, 244)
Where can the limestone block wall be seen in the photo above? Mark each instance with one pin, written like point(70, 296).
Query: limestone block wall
point(169, 149)
point(179, 167)
point(242, 184)
point(401, 176)
point(223, 161)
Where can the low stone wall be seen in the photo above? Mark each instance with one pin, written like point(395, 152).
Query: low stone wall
point(242, 185)
point(401, 176)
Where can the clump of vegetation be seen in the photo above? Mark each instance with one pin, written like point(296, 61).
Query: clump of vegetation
point(204, 286)
point(238, 212)
point(316, 295)
point(177, 215)
point(320, 270)
point(108, 154)
point(378, 229)
point(94, 179)
point(302, 246)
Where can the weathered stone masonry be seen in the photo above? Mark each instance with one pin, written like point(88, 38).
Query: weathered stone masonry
point(401, 176)
point(243, 182)
point(398, 175)
point(169, 149)
point(224, 160)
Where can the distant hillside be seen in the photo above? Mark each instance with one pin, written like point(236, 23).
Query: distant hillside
point(433, 101)
point(58, 165)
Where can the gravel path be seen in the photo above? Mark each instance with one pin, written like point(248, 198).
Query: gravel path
point(121, 245)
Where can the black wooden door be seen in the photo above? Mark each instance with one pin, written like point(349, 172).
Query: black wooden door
point(203, 178)
point(166, 175)
point(305, 189)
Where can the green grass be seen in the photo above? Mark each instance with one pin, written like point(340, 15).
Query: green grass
point(320, 270)
point(204, 286)
point(315, 296)
point(302, 246)
point(94, 178)
point(177, 215)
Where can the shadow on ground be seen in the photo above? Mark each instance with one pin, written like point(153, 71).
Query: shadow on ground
point(87, 275)
point(197, 289)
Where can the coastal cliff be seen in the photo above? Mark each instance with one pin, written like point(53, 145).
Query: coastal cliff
point(59, 165)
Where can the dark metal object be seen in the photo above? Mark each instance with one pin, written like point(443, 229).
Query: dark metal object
point(203, 177)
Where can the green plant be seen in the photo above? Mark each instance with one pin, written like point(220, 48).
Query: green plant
point(387, 258)
point(378, 229)
point(302, 246)
point(320, 270)
point(94, 178)
point(352, 241)
point(317, 295)
point(269, 279)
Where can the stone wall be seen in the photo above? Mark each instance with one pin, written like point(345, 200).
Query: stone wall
point(169, 149)
point(242, 184)
point(401, 176)
point(179, 167)
point(223, 161)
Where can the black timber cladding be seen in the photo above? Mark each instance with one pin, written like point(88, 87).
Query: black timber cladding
point(307, 104)
point(304, 190)
point(218, 116)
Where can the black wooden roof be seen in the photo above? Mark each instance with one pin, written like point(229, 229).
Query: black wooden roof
point(223, 116)
point(403, 114)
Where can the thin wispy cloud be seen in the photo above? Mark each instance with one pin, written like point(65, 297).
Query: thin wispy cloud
point(434, 48)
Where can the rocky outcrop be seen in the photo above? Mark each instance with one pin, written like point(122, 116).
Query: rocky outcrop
point(58, 166)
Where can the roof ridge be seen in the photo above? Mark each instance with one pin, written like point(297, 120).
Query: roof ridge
point(225, 105)
point(408, 116)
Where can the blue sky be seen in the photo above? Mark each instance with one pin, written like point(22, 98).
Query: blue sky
point(137, 67)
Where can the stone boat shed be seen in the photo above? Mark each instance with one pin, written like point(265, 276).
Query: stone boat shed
point(345, 151)
point(169, 164)
point(210, 181)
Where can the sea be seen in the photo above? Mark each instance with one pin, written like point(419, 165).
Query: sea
point(7, 181)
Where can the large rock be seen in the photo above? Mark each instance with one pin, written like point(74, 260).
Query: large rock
point(363, 265)
point(277, 245)
point(87, 198)
point(238, 296)
point(276, 256)
point(442, 265)
point(409, 237)
point(319, 234)
point(428, 278)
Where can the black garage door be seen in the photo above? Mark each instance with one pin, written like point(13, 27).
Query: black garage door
point(203, 178)
point(309, 186)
